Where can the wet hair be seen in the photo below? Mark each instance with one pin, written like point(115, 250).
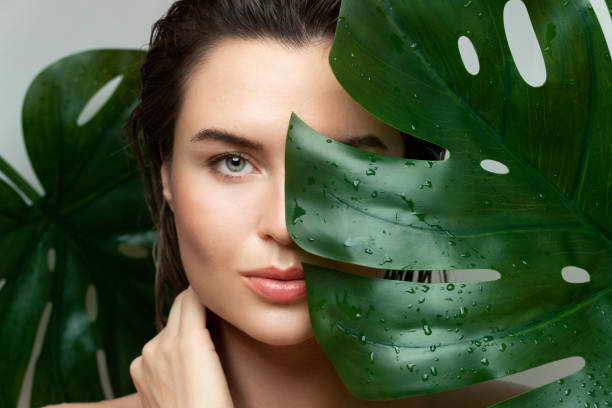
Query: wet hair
point(179, 41)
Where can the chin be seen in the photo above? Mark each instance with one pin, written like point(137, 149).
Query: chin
point(284, 338)
point(281, 328)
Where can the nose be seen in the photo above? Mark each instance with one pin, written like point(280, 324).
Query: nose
point(272, 221)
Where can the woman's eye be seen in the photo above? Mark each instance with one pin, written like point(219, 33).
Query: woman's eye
point(231, 165)
point(235, 164)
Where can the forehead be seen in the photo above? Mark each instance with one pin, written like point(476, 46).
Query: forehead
point(258, 83)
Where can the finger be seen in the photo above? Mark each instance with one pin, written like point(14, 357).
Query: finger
point(137, 374)
point(193, 314)
point(135, 370)
point(172, 326)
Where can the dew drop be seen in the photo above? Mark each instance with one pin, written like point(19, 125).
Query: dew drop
point(386, 259)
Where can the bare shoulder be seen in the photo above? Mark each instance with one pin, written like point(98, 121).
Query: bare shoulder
point(474, 396)
point(128, 401)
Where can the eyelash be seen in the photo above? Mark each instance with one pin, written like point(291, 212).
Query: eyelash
point(214, 161)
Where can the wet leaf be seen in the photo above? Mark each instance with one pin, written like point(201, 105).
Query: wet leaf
point(550, 209)
point(87, 237)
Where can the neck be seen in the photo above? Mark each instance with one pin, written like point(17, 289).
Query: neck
point(261, 375)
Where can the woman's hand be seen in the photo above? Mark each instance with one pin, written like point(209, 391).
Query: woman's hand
point(179, 368)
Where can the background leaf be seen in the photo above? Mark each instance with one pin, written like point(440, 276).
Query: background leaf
point(87, 239)
point(400, 61)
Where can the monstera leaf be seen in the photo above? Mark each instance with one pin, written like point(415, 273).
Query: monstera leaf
point(545, 205)
point(83, 247)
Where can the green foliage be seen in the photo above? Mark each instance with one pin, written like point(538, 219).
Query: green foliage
point(88, 237)
point(389, 339)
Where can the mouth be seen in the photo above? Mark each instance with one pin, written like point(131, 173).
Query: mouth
point(277, 285)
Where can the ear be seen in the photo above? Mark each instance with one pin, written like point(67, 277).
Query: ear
point(166, 187)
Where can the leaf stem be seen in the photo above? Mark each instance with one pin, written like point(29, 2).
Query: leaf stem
point(19, 181)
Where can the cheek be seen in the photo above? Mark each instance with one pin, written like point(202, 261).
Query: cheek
point(213, 219)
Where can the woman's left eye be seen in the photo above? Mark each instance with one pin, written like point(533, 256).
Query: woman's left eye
point(231, 165)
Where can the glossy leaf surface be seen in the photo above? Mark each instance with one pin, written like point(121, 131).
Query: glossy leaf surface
point(84, 246)
point(552, 209)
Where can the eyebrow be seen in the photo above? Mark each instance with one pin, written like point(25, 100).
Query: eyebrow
point(239, 141)
point(227, 137)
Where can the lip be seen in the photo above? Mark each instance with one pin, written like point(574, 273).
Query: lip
point(271, 272)
point(277, 285)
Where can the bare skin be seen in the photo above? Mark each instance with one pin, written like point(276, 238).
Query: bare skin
point(229, 214)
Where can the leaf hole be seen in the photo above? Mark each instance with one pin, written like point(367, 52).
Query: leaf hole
point(25, 394)
point(51, 259)
point(472, 275)
point(2, 283)
point(605, 21)
point(548, 373)
point(98, 100)
point(523, 43)
point(534, 378)
point(132, 251)
point(574, 274)
point(493, 166)
point(423, 276)
point(468, 54)
point(105, 383)
point(91, 303)
point(451, 276)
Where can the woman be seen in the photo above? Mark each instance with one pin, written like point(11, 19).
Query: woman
point(220, 82)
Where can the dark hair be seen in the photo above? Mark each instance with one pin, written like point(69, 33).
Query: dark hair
point(179, 41)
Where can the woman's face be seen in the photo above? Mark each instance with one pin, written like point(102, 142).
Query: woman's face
point(229, 210)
